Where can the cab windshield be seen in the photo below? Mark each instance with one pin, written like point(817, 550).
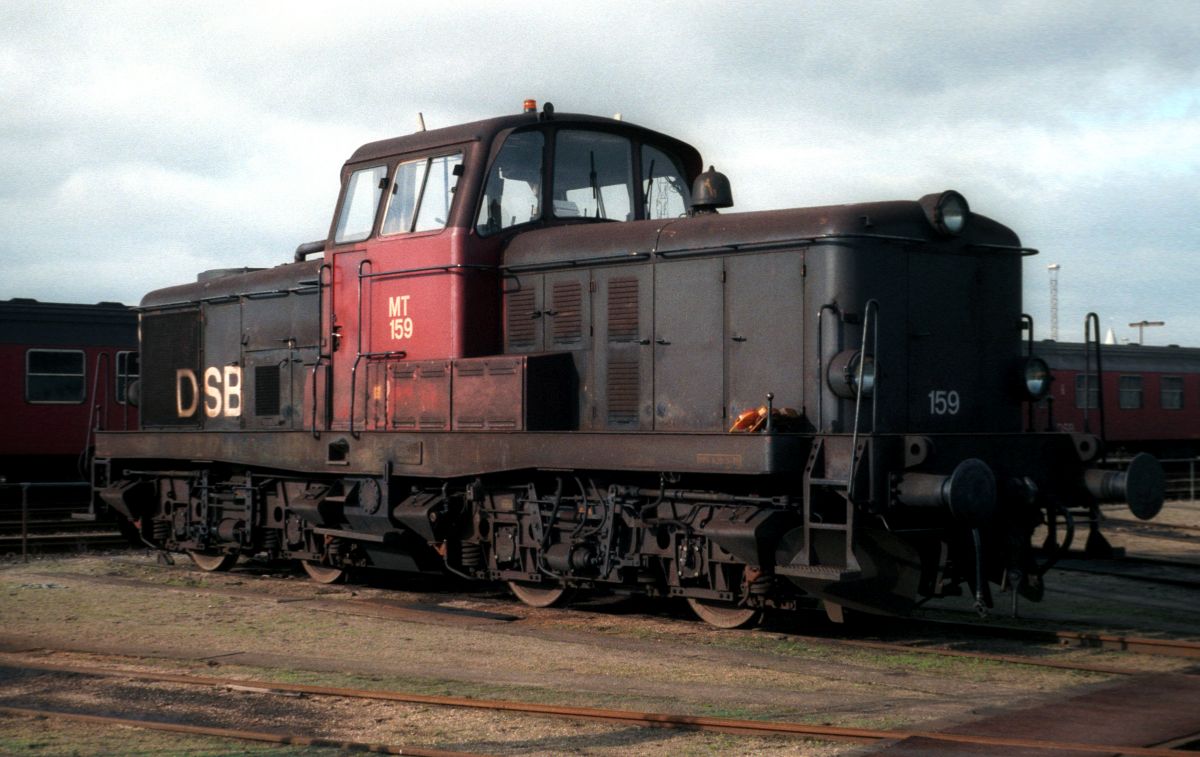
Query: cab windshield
point(594, 177)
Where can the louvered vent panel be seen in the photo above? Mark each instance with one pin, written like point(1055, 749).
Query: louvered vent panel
point(171, 342)
point(266, 390)
point(623, 310)
point(624, 388)
point(567, 299)
point(521, 326)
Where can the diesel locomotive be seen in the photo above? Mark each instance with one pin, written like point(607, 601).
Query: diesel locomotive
point(533, 350)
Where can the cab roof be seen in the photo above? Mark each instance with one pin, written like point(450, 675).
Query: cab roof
point(487, 130)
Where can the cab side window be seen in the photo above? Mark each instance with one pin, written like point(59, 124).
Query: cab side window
point(421, 194)
point(441, 178)
point(357, 215)
point(512, 194)
point(664, 188)
point(593, 176)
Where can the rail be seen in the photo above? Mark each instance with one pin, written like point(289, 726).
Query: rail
point(631, 717)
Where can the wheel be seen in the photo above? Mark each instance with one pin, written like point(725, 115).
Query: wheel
point(213, 562)
point(723, 614)
point(536, 595)
point(323, 574)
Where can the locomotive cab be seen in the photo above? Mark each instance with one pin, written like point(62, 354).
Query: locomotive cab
point(413, 259)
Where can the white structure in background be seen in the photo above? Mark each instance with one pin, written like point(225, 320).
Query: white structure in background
point(1053, 269)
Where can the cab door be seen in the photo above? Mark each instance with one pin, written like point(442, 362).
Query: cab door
point(404, 284)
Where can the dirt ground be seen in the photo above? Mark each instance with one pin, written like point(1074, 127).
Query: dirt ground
point(442, 637)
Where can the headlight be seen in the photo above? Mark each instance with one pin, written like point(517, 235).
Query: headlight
point(843, 375)
point(947, 212)
point(1037, 378)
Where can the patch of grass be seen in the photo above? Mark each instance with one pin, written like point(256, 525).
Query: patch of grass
point(38, 736)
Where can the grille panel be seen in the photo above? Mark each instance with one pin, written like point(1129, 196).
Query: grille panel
point(623, 386)
point(170, 343)
point(521, 326)
point(567, 299)
point(623, 323)
point(266, 390)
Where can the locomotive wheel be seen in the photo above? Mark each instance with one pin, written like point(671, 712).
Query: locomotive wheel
point(323, 574)
point(213, 562)
point(723, 614)
point(536, 595)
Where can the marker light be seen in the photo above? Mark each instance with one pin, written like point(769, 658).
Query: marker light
point(531, 106)
point(1037, 378)
point(947, 212)
point(842, 375)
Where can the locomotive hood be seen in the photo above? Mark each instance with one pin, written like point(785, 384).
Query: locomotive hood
point(223, 283)
point(732, 232)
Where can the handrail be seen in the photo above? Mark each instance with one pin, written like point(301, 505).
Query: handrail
point(102, 358)
point(321, 356)
point(400, 354)
point(1027, 320)
point(831, 307)
point(364, 263)
point(871, 306)
point(1088, 320)
point(427, 269)
point(315, 431)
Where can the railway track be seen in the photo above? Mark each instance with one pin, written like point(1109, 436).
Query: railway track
point(36, 543)
point(432, 612)
point(626, 717)
point(1059, 637)
point(1130, 568)
point(232, 734)
point(1182, 648)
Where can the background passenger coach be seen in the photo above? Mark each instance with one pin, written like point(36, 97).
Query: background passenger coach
point(532, 350)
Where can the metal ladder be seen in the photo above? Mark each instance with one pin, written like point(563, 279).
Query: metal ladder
point(825, 482)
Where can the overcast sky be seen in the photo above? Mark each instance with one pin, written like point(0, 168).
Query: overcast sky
point(141, 143)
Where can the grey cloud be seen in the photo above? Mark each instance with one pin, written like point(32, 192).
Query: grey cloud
point(243, 113)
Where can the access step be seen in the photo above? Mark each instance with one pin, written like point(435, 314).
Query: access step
point(819, 572)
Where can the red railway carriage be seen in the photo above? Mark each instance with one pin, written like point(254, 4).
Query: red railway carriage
point(1151, 396)
point(65, 370)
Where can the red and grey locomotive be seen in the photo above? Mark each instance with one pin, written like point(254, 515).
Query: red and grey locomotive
point(534, 351)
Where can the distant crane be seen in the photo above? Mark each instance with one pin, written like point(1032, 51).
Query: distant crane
point(1141, 327)
point(1053, 269)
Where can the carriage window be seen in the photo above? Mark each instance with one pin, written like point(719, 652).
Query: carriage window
point(421, 195)
point(593, 176)
point(663, 185)
point(358, 209)
point(1170, 390)
point(55, 376)
point(1087, 391)
point(513, 192)
point(127, 372)
point(1129, 390)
